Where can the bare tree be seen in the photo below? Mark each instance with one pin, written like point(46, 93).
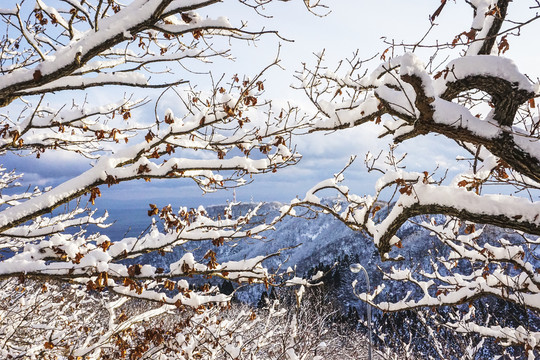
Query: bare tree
point(51, 52)
point(107, 326)
point(481, 101)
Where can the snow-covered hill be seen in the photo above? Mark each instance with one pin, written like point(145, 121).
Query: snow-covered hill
point(324, 243)
point(314, 242)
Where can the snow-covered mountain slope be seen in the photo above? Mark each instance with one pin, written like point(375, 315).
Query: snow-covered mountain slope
point(314, 242)
point(324, 243)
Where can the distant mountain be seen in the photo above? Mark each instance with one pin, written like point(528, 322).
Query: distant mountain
point(317, 242)
point(326, 244)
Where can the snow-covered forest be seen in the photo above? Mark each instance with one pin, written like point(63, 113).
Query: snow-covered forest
point(452, 252)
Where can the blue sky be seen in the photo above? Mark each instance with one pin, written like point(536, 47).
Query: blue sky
point(351, 25)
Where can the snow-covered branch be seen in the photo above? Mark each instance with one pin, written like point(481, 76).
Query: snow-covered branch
point(79, 280)
point(479, 99)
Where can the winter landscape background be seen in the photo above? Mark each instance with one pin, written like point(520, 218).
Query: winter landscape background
point(402, 137)
point(320, 242)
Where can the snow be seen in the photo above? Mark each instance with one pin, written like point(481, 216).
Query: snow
point(50, 10)
point(481, 22)
point(5, 11)
point(76, 82)
point(85, 256)
point(484, 65)
point(85, 42)
point(458, 116)
point(412, 65)
point(482, 7)
point(462, 200)
point(398, 101)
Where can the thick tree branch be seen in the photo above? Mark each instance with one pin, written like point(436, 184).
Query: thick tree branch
point(491, 36)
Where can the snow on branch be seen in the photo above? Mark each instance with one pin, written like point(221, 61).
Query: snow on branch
point(482, 101)
point(75, 290)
